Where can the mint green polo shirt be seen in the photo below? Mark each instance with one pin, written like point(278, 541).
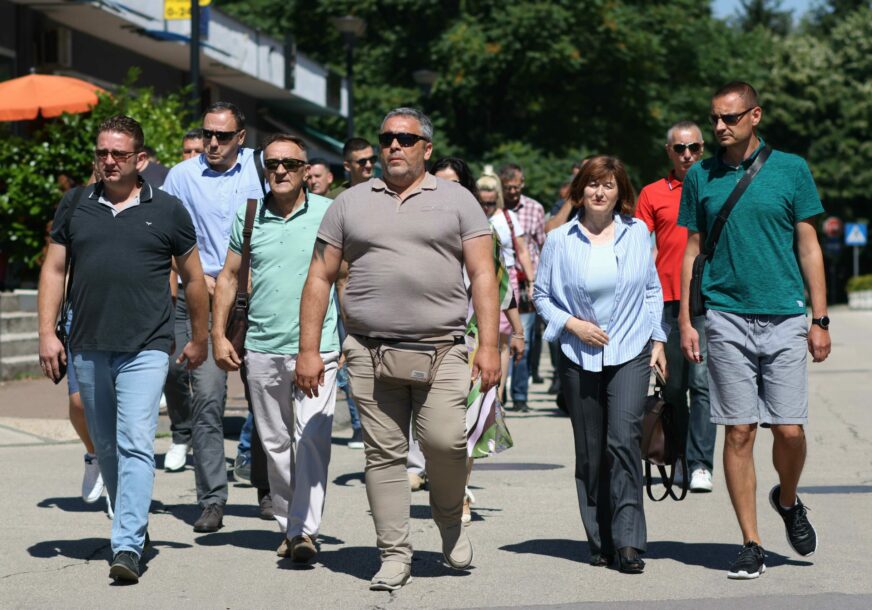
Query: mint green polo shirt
point(281, 250)
point(754, 269)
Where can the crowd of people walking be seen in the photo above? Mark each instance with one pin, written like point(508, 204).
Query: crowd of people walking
point(421, 291)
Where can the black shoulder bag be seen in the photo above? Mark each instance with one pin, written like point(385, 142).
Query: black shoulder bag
point(61, 326)
point(697, 302)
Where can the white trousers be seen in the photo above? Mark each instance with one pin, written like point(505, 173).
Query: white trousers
point(296, 466)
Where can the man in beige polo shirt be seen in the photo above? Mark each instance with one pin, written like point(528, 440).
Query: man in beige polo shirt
point(406, 239)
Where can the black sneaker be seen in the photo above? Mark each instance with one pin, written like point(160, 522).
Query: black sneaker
point(520, 406)
point(749, 564)
point(800, 534)
point(125, 567)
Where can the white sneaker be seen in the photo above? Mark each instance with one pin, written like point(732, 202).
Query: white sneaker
point(92, 482)
point(109, 512)
point(174, 460)
point(701, 481)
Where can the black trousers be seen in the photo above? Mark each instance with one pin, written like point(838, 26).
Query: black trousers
point(606, 410)
point(259, 478)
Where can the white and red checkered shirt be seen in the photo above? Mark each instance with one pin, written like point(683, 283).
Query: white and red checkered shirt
point(531, 215)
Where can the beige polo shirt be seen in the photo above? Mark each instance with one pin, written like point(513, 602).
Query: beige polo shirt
point(405, 258)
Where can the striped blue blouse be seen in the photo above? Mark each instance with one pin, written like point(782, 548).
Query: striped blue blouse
point(559, 293)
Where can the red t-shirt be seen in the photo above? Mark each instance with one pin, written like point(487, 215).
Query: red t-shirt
point(658, 207)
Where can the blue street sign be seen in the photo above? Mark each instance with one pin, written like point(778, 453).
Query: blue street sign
point(856, 233)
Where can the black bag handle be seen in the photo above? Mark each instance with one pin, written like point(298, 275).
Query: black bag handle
point(733, 199)
point(69, 268)
point(258, 166)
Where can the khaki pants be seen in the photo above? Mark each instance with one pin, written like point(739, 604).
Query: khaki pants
point(440, 426)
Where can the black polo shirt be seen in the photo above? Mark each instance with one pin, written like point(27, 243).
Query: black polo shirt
point(120, 292)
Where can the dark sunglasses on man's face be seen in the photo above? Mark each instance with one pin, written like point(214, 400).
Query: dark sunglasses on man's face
point(288, 163)
point(221, 136)
point(694, 147)
point(403, 139)
point(729, 119)
point(119, 155)
point(365, 160)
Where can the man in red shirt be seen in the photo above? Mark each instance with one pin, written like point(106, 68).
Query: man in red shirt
point(658, 207)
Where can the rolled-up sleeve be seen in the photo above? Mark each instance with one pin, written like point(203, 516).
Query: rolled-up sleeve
point(548, 280)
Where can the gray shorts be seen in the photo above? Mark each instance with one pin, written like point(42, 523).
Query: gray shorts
point(757, 368)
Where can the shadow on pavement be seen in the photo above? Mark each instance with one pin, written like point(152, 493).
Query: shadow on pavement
point(88, 549)
point(189, 513)
point(74, 504)
point(710, 555)
point(256, 540)
point(836, 489)
point(345, 479)
point(363, 562)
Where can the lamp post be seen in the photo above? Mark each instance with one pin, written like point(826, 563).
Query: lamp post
point(351, 29)
point(425, 79)
point(195, 59)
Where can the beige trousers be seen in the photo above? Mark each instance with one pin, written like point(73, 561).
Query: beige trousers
point(440, 425)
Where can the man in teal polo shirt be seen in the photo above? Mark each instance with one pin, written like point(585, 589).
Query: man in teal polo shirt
point(755, 326)
point(295, 430)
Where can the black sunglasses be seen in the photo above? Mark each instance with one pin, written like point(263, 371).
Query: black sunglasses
point(119, 155)
point(694, 147)
point(729, 119)
point(288, 163)
point(221, 136)
point(365, 160)
point(403, 139)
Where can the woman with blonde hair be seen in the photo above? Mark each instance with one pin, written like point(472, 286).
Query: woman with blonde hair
point(514, 248)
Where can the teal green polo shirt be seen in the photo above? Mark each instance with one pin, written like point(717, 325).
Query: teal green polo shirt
point(754, 269)
point(281, 250)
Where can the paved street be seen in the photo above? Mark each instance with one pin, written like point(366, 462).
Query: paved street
point(529, 544)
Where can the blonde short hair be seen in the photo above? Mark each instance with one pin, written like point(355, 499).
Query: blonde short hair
point(491, 183)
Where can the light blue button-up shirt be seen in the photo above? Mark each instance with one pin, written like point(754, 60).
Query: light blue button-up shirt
point(212, 199)
point(560, 293)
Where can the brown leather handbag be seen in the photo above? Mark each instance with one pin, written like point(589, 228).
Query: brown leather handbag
point(237, 321)
point(662, 445)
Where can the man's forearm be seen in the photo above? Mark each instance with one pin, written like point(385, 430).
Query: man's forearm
point(812, 263)
point(197, 299)
point(485, 303)
point(690, 253)
point(313, 308)
point(222, 302)
point(51, 288)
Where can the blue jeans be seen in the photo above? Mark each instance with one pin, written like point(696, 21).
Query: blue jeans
point(521, 370)
point(687, 377)
point(244, 446)
point(121, 393)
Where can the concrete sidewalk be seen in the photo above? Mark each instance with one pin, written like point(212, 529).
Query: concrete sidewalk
point(529, 544)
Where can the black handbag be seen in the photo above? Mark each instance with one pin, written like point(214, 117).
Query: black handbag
point(663, 445)
point(697, 300)
point(61, 326)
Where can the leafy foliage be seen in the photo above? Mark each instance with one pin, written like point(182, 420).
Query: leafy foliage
point(29, 168)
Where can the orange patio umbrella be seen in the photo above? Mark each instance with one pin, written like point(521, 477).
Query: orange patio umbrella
point(25, 98)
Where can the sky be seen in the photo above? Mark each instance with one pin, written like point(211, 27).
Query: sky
point(727, 8)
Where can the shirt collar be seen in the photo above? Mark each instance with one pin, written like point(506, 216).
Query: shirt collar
point(145, 194)
point(671, 181)
point(747, 162)
point(429, 183)
point(622, 223)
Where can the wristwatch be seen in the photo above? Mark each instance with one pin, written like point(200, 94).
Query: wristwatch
point(823, 322)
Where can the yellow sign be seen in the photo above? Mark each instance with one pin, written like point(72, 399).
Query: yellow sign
point(180, 9)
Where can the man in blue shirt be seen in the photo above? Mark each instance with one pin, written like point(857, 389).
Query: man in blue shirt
point(211, 186)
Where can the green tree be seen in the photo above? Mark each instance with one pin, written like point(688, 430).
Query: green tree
point(766, 14)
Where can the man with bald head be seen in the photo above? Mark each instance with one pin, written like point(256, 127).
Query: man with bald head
point(658, 207)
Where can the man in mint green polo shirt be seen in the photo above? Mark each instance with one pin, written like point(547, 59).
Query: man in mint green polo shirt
point(755, 326)
point(295, 430)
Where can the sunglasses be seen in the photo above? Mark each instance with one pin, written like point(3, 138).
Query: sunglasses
point(403, 139)
point(729, 119)
point(694, 147)
point(118, 155)
point(288, 163)
point(221, 136)
point(365, 160)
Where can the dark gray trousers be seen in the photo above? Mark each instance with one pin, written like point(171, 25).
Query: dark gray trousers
point(205, 390)
point(606, 410)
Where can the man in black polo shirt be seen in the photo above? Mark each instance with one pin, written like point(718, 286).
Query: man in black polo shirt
point(122, 236)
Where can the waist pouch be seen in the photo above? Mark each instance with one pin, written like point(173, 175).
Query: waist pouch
point(409, 362)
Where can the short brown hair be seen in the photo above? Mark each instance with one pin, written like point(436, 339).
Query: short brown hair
point(742, 89)
point(283, 137)
point(598, 168)
point(121, 123)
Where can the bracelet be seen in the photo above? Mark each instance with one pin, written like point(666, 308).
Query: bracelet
point(519, 336)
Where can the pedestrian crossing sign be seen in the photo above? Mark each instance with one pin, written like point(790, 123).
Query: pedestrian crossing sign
point(856, 233)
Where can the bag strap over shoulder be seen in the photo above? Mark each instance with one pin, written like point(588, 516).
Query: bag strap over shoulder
point(512, 233)
point(245, 265)
point(258, 166)
point(68, 264)
point(733, 199)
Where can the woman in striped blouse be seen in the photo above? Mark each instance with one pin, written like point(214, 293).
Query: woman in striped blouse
point(598, 290)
